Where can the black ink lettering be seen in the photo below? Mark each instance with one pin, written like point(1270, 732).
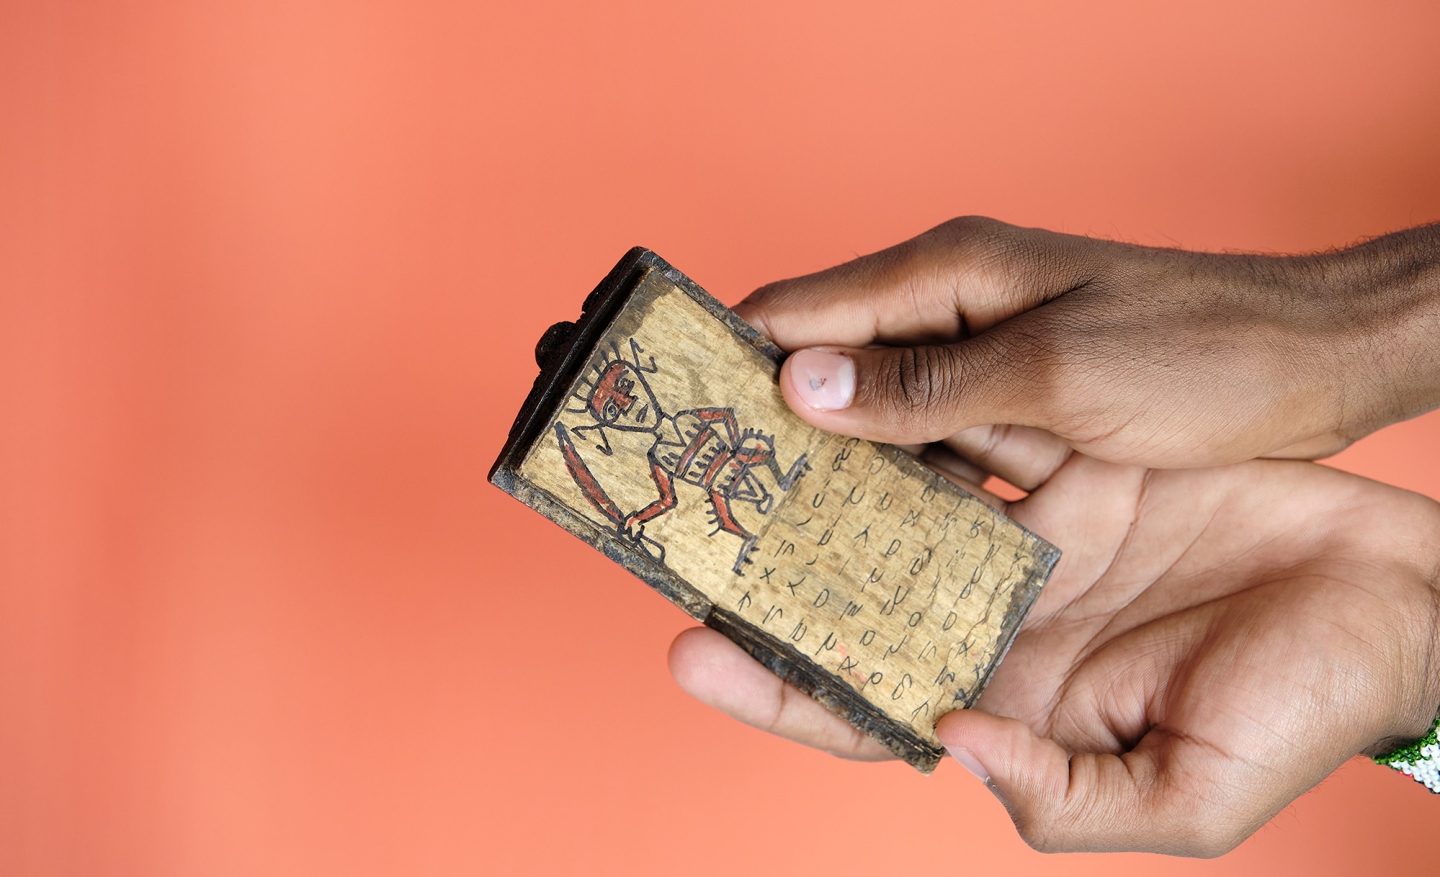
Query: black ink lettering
point(804, 522)
point(875, 679)
point(793, 585)
point(867, 637)
point(865, 533)
point(901, 592)
point(828, 644)
point(848, 663)
point(949, 621)
point(927, 651)
point(769, 571)
point(928, 493)
point(775, 612)
point(799, 632)
point(851, 500)
point(902, 687)
point(872, 468)
point(744, 602)
point(892, 548)
point(914, 619)
point(895, 647)
point(821, 598)
point(920, 563)
point(961, 696)
point(825, 537)
point(924, 706)
point(979, 571)
point(852, 609)
point(944, 675)
point(911, 517)
point(811, 562)
point(885, 502)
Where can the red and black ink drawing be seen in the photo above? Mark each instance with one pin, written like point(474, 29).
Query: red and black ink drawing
point(701, 446)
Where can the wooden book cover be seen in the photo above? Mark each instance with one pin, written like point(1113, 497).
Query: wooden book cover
point(657, 433)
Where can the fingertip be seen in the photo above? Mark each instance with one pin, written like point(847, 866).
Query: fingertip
point(718, 673)
point(698, 660)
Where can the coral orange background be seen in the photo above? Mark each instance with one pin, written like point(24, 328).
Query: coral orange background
point(271, 273)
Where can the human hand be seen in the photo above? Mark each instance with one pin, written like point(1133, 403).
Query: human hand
point(1131, 354)
point(1212, 644)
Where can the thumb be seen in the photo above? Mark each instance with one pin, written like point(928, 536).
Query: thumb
point(910, 395)
point(1157, 797)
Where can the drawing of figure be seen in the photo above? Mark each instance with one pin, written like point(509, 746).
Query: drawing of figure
point(704, 447)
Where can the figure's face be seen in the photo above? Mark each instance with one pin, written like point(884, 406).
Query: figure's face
point(621, 399)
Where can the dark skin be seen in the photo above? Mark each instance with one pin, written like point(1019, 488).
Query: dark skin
point(1215, 641)
point(1153, 357)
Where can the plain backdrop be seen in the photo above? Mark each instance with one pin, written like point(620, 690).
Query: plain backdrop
point(271, 272)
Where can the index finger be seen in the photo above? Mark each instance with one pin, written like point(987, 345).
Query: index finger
point(715, 671)
point(950, 283)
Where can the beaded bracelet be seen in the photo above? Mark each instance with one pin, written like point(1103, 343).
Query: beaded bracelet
point(1420, 760)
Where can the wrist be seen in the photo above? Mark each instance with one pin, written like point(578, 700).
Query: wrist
point(1419, 760)
point(1412, 746)
point(1386, 294)
point(1415, 669)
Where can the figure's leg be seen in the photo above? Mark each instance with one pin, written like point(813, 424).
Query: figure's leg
point(786, 480)
point(666, 485)
point(744, 555)
point(758, 449)
point(725, 520)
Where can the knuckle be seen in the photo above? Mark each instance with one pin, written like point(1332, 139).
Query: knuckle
point(1039, 835)
point(1011, 259)
point(965, 229)
point(920, 380)
point(966, 237)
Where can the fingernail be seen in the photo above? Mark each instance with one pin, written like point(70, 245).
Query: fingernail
point(825, 381)
point(971, 763)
